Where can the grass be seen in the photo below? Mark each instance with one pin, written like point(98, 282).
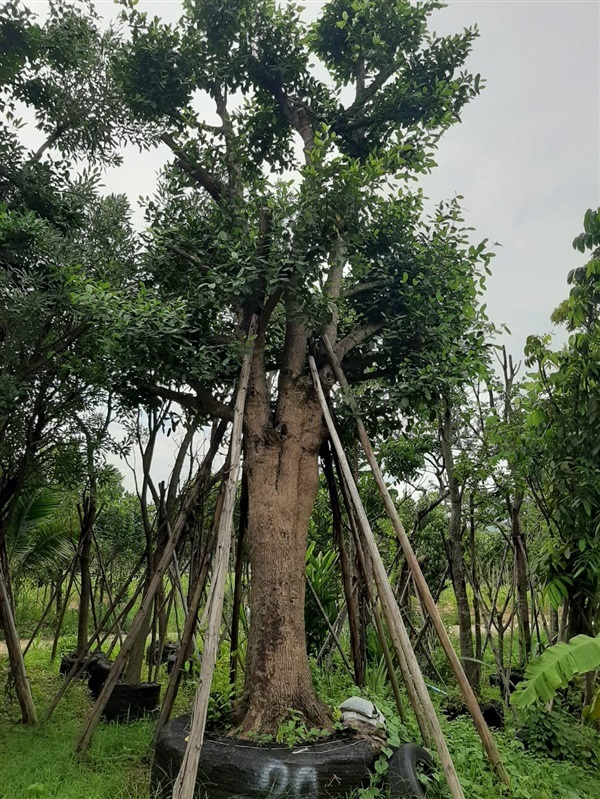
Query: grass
point(39, 762)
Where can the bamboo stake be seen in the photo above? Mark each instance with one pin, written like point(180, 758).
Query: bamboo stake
point(238, 584)
point(409, 683)
point(190, 623)
point(392, 613)
point(359, 674)
point(186, 779)
point(332, 632)
point(13, 644)
point(421, 584)
point(436, 596)
point(106, 583)
point(140, 617)
point(78, 665)
point(377, 615)
point(55, 591)
point(63, 611)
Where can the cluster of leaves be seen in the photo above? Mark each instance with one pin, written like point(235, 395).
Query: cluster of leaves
point(565, 417)
point(557, 734)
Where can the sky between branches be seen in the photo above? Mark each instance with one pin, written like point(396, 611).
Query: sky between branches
point(526, 157)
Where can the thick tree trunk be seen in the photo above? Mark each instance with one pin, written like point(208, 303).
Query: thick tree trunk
point(283, 480)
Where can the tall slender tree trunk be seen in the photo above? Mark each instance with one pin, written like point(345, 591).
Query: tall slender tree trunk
point(88, 517)
point(455, 553)
point(475, 579)
point(283, 480)
point(520, 560)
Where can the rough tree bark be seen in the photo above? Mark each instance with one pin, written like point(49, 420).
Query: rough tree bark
point(455, 553)
point(521, 577)
point(283, 481)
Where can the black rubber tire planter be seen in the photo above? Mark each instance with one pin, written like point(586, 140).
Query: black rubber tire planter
point(230, 768)
point(402, 777)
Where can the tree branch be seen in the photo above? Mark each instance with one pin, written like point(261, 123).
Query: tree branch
point(359, 288)
point(343, 347)
point(201, 175)
point(201, 401)
point(50, 142)
point(333, 286)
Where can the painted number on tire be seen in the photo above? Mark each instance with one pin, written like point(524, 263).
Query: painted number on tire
point(278, 780)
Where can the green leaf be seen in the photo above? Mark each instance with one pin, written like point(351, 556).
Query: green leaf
point(555, 668)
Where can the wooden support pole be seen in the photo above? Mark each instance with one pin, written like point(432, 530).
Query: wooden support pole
point(78, 665)
point(391, 611)
point(185, 644)
point(379, 626)
point(106, 585)
point(332, 632)
point(17, 664)
point(63, 610)
point(238, 584)
point(186, 779)
point(338, 528)
point(148, 600)
point(409, 683)
point(421, 584)
point(53, 596)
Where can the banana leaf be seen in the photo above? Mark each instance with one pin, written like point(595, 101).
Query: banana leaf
point(555, 668)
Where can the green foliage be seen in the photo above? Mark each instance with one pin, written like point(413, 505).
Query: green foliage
point(294, 731)
point(322, 569)
point(40, 538)
point(564, 418)
point(556, 733)
point(555, 668)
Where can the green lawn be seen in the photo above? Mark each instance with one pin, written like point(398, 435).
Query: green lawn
point(39, 762)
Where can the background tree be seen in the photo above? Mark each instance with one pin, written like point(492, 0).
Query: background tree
point(564, 417)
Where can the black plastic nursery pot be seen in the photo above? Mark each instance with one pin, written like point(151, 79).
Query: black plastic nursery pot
point(232, 768)
point(132, 702)
point(154, 651)
point(68, 661)
point(126, 702)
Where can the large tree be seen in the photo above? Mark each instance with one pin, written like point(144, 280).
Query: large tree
point(285, 199)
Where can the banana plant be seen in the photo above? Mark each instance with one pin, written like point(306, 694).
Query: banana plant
point(555, 668)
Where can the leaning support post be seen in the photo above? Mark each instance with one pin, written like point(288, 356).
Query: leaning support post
point(392, 613)
point(17, 664)
point(421, 583)
point(98, 636)
point(146, 606)
point(409, 683)
point(185, 644)
point(186, 779)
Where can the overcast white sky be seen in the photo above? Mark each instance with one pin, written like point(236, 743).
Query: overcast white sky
point(526, 157)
